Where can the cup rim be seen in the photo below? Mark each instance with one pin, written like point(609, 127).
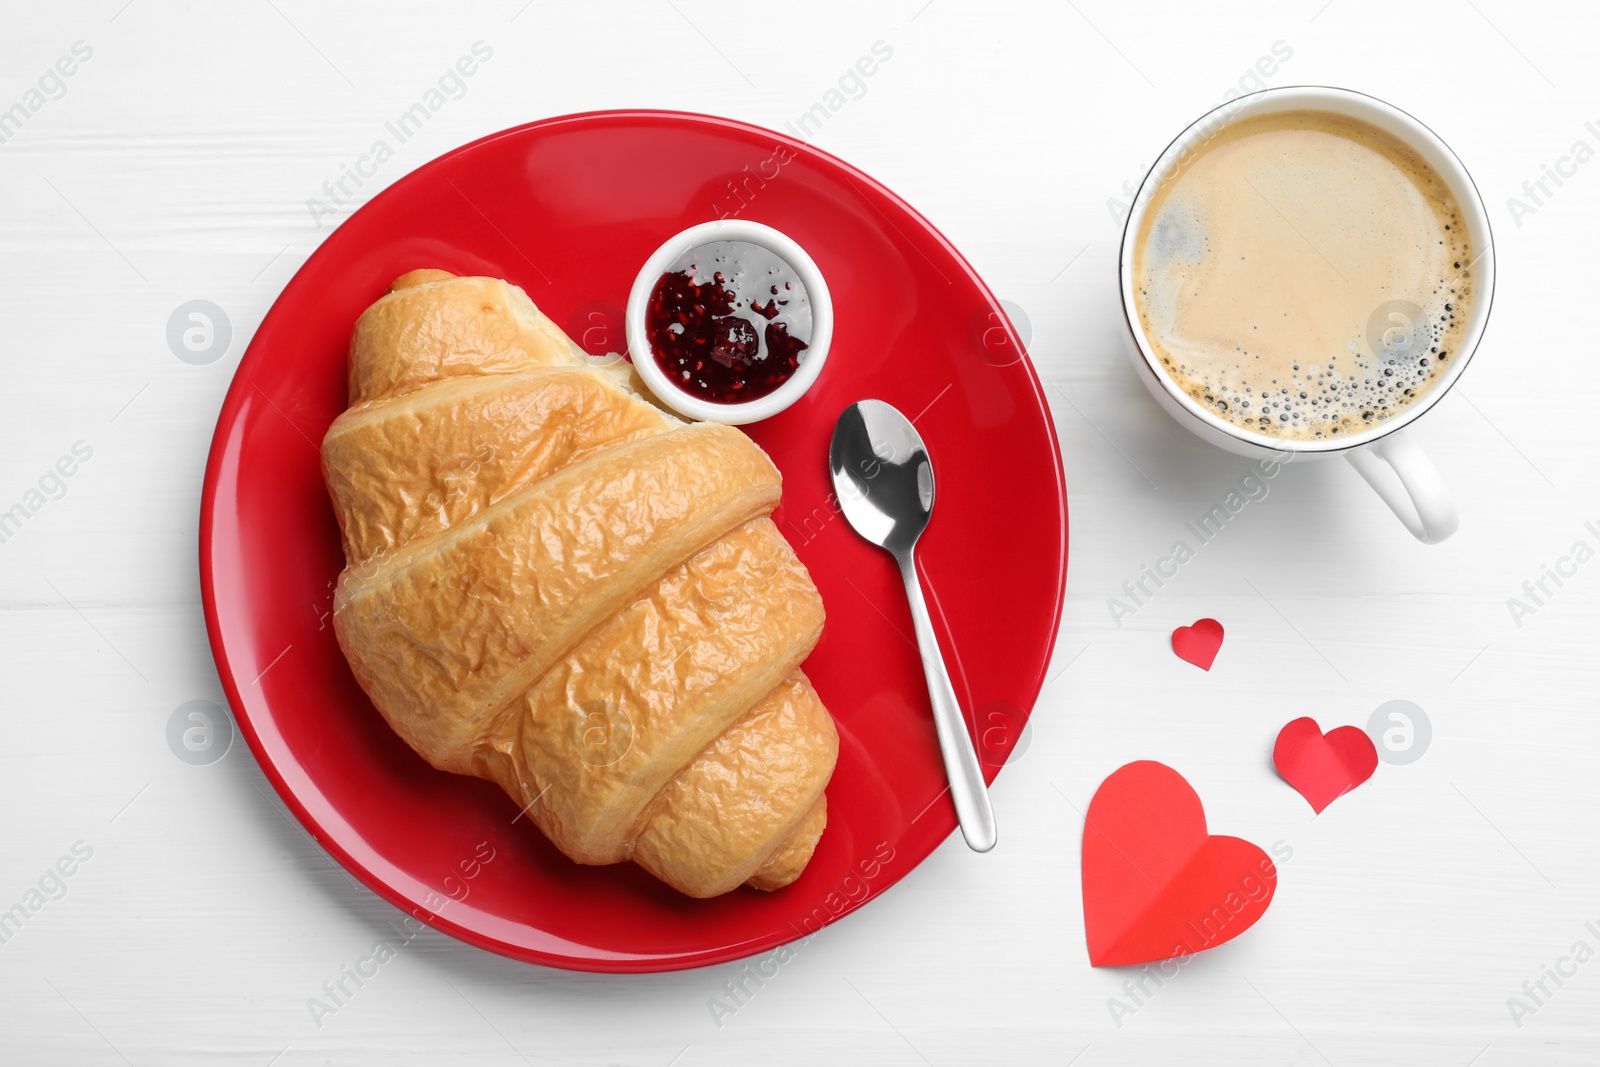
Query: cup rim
point(1418, 134)
point(779, 244)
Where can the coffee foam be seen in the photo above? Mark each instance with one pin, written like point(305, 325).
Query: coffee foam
point(1304, 276)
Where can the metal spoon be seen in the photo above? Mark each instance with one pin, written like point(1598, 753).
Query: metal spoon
point(884, 481)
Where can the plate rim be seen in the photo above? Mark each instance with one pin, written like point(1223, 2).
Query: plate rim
point(227, 419)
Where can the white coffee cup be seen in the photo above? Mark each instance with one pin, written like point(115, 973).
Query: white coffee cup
point(1391, 462)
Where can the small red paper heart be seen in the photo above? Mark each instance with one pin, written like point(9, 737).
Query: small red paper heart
point(1198, 643)
point(1155, 884)
point(1323, 767)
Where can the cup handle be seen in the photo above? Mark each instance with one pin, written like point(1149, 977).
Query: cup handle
point(1403, 475)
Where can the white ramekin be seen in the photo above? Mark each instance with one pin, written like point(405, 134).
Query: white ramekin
point(816, 353)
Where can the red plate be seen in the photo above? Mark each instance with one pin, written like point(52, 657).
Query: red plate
point(568, 209)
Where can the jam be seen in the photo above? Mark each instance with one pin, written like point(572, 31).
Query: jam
point(728, 322)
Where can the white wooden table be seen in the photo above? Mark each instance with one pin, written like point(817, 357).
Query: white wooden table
point(176, 162)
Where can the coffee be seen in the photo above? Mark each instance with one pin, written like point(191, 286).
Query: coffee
point(1303, 274)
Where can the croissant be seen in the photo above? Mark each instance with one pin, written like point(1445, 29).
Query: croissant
point(555, 585)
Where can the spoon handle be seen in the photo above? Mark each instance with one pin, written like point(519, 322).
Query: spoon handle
point(960, 759)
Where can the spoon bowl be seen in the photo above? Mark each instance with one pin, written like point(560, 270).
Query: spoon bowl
point(882, 475)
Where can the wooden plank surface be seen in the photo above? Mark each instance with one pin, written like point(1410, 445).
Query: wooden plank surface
point(176, 163)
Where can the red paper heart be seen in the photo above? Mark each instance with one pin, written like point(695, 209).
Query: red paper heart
point(1323, 767)
point(1155, 884)
point(1198, 643)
